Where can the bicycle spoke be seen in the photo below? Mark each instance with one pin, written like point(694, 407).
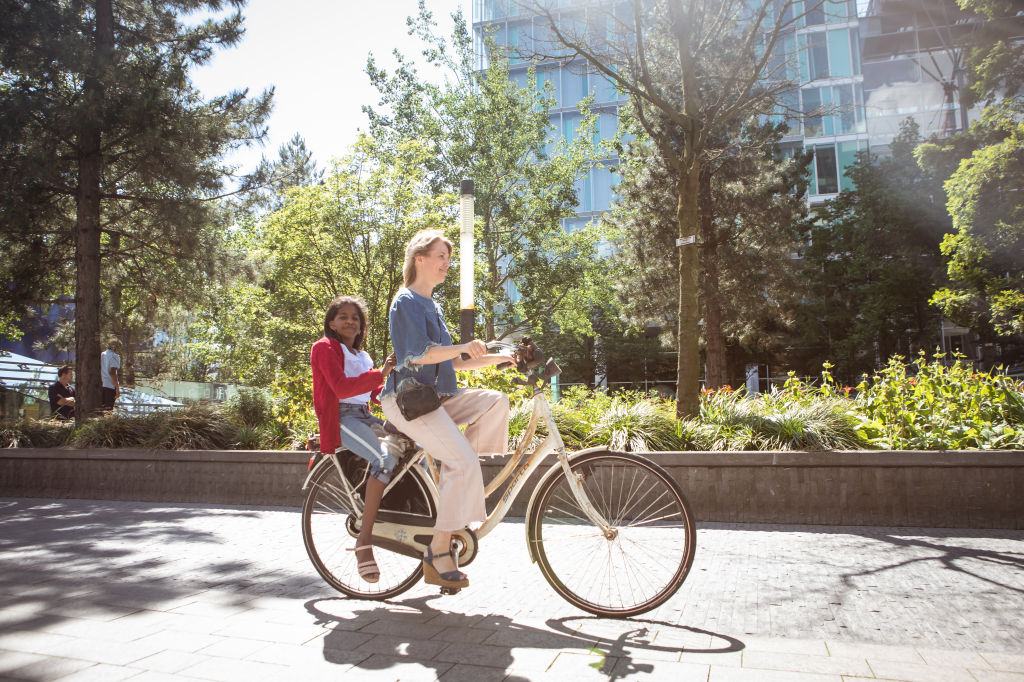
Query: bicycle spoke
point(639, 566)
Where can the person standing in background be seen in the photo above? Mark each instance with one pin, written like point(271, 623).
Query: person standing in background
point(110, 373)
point(62, 395)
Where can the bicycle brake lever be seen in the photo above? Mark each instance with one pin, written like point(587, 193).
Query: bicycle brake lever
point(504, 365)
point(465, 356)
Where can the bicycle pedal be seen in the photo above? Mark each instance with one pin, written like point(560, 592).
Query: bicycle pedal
point(450, 590)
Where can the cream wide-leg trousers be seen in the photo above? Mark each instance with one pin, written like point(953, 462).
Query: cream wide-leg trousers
point(461, 490)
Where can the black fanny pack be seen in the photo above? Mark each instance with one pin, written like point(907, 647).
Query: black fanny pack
point(418, 400)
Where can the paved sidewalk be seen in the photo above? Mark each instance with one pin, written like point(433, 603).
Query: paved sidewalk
point(157, 592)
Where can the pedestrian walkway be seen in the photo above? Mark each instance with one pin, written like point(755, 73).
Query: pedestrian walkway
point(112, 591)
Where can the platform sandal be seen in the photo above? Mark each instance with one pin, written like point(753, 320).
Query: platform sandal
point(367, 569)
point(450, 579)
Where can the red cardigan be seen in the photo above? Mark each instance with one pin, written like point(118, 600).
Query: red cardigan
point(331, 385)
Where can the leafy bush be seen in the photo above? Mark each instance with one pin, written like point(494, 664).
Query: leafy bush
point(940, 408)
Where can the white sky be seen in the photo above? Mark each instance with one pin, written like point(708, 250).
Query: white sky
point(314, 52)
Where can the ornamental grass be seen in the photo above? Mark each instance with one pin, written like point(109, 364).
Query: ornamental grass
point(923, 405)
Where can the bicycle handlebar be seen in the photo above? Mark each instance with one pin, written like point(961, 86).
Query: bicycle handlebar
point(503, 344)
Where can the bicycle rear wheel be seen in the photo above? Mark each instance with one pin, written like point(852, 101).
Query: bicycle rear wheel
point(652, 543)
point(327, 530)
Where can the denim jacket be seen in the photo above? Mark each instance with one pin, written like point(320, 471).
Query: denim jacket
point(417, 324)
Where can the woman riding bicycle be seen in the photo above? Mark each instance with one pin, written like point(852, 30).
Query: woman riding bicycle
point(426, 357)
point(344, 380)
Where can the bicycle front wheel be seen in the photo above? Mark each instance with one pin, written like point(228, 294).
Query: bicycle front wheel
point(327, 531)
point(641, 563)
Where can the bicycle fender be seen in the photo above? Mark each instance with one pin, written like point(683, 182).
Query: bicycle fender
point(555, 468)
point(326, 461)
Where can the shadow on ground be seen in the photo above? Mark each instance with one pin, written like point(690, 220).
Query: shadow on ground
point(610, 644)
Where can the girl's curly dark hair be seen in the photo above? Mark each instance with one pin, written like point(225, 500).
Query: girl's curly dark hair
point(332, 310)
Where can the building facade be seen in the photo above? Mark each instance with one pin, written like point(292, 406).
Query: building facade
point(869, 65)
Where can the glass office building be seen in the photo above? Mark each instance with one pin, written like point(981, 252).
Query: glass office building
point(870, 65)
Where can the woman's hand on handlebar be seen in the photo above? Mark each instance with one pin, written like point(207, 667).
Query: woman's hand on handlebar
point(504, 360)
point(474, 349)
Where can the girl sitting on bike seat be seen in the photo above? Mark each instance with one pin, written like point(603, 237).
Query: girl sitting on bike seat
point(426, 357)
point(344, 380)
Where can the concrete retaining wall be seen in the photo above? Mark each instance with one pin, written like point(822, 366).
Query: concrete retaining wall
point(953, 489)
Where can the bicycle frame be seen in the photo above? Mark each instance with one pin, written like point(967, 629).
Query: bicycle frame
point(551, 443)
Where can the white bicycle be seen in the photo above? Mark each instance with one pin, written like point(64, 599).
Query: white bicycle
point(611, 532)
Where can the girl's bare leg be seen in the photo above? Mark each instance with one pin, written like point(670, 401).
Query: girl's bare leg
point(374, 491)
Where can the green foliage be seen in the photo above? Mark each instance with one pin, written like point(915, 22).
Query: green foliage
point(251, 407)
point(626, 421)
point(347, 236)
point(942, 408)
point(33, 433)
point(794, 418)
point(985, 267)
point(495, 379)
point(995, 54)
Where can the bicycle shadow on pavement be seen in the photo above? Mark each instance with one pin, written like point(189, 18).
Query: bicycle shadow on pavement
point(411, 632)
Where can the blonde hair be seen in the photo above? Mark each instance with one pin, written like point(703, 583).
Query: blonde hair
point(419, 245)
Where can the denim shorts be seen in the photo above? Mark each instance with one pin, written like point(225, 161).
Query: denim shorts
point(357, 435)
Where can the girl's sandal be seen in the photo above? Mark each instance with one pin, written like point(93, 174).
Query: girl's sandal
point(451, 579)
point(368, 570)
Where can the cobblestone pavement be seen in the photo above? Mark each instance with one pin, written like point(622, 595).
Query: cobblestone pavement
point(158, 592)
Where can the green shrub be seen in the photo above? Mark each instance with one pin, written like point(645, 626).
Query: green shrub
point(940, 408)
point(249, 438)
point(32, 433)
point(636, 426)
point(251, 407)
point(116, 430)
point(194, 427)
point(794, 418)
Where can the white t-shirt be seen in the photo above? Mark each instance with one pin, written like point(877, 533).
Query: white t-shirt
point(356, 364)
point(108, 360)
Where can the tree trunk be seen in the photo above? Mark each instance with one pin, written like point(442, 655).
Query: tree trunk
point(89, 394)
point(688, 368)
point(715, 369)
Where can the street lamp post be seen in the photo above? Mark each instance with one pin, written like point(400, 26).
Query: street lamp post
point(466, 261)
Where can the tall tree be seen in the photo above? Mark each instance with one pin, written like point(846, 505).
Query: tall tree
point(484, 126)
point(985, 262)
point(699, 65)
point(873, 263)
point(98, 115)
point(753, 215)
